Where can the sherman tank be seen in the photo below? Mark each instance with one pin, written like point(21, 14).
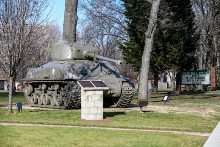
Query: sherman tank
point(54, 84)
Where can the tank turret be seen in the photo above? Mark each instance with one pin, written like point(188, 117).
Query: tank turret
point(62, 51)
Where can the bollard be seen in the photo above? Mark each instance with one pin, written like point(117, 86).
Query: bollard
point(19, 106)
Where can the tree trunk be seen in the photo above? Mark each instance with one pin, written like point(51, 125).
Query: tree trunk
point(178, 82)
point(10, 110)
point(156, 77)
point(13, 85)
point(149, 34)
point(201, 54)
point(70, 21)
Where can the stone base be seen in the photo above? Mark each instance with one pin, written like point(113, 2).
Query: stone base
point(91, 105)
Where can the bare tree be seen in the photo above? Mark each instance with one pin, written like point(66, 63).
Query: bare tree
point(105, 26)
point(20, 22)
point(208, 22)
point(41, 48)
point(70, 20)
point(149, 34)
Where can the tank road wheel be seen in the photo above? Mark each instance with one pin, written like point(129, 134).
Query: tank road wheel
point(65, 104)
point(41, 99)
point(34, 99)
point(28, 92)
point(46, 100)
point(53, 101)
point(28, 99)
point(28, 89)
point(59, 101)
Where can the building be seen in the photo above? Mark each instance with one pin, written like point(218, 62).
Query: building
point(3, 83)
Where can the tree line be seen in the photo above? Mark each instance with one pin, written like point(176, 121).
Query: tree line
point(187, 32)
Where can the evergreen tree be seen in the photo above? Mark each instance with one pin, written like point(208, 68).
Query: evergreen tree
point(175, 40)
point(137, 13)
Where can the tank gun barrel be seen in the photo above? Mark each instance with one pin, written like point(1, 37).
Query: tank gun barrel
point(117, 62)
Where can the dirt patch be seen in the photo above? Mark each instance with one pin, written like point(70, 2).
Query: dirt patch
point(194, 110)
point(197, 97)
point(203, 111)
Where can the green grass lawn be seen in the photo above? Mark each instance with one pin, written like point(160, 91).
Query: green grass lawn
point(131, 119)
point(18, 136)
point(17, 97)
point(123, 118)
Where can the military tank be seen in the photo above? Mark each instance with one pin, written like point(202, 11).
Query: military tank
point(54, 84)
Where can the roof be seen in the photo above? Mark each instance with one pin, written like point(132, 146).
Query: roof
point(3, 78)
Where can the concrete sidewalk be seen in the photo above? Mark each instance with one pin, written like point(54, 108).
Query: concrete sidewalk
point(214, 138)
point(107, 128)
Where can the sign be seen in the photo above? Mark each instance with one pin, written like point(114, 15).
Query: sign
point(198, 77)
point(92, 85)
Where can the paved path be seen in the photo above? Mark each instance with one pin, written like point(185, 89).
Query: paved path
point(107, 128)
point(214, 138)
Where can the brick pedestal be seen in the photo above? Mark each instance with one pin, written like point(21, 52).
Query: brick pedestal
point(213, 79)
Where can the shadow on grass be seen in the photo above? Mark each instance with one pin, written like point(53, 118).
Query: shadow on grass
point(192, 92)
point(192, 98)
point(147, 111)
point(37, 110)
point(112, 114)
point(155, 101)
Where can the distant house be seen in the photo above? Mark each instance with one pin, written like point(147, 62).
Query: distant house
point(3, 83)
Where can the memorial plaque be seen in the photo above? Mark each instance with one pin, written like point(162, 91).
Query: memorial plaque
point(99, 84)
point(86, 84)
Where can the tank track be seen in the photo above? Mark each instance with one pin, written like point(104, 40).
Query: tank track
point(53, 94)
point(66, 95)
point(126, 96)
